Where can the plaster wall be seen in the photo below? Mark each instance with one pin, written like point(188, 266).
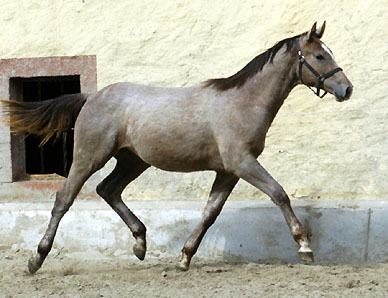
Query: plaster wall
point(317, 149)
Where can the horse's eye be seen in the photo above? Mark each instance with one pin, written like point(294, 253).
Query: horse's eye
point(320, 57)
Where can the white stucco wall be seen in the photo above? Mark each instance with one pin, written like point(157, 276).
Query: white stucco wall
point(317, 149)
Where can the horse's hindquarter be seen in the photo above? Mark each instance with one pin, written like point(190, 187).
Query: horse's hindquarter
point(169, 128)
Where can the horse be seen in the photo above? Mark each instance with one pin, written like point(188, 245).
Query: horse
point(218, 125)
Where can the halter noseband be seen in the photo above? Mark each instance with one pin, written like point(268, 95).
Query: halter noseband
point(321, 78)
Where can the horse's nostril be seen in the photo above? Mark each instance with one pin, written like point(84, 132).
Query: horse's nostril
point(349, 92)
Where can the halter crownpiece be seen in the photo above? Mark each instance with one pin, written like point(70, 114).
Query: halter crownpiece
point(320, 78)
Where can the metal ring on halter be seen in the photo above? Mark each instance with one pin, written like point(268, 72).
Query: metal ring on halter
point(320, 78)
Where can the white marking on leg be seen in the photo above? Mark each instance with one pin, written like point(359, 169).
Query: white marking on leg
point(303, 243)
point(295, 229)
point(305, 248)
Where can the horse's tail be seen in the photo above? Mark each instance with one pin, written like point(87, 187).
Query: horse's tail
point(48, 118)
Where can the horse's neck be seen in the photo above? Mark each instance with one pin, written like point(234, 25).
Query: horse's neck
point(271, 86)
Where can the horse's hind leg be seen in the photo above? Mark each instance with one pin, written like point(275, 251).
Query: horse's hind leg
point(128, 168)
point(222, 187)
point(79, 173)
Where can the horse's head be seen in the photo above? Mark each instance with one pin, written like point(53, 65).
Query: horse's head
point(318, 68)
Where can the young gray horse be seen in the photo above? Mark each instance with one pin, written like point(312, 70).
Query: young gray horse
point(218, 125)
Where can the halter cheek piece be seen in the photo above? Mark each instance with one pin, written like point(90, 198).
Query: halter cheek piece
point(320, 78)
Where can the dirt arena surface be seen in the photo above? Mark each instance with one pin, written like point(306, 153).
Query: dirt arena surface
point(63, 276)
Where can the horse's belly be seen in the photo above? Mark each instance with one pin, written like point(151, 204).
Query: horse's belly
point(182, 158)
point(180, 166)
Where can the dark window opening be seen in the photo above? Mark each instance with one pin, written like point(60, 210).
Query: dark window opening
point(55, 156)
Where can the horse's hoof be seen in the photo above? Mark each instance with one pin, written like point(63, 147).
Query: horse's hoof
point(139, 249)
point(184, 263)
point(183, 266)
point(32, 267)
point(306, 256)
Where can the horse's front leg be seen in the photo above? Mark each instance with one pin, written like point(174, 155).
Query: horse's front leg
point(222, 187)
point(249, 169)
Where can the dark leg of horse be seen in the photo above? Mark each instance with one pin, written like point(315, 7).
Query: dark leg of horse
point(128, 168)
point(222, 187)
point(64, 199)
point(251, 171)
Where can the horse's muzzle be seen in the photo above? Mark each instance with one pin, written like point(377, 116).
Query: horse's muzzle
point(343, 93)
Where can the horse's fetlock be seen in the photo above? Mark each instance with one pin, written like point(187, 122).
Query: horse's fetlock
point(188, 251)
point(141, 231)
point(44, 248)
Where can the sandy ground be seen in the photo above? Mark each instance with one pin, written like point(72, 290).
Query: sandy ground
point(63, 276)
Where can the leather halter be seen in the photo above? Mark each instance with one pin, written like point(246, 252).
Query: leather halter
point(320, 78)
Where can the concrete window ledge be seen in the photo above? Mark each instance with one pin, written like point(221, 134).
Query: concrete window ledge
point(340, 232)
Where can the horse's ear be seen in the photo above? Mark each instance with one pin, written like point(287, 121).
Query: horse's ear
point(312, 32)
point(321, 30)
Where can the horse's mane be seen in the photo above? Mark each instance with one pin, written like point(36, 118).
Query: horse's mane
point(252, 68)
